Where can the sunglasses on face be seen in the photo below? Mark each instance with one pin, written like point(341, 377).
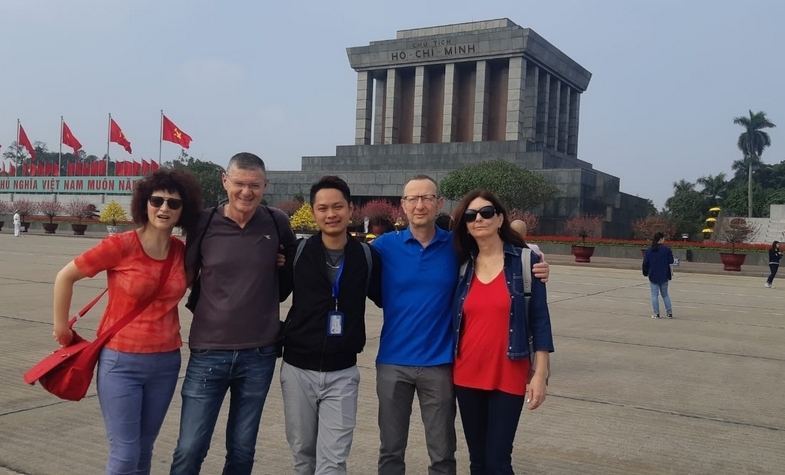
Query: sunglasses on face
point(158, 201)
point(487, 212)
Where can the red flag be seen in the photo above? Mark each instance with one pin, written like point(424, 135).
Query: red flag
point(145, 167)
point(25, 142)
point(118, 168)
point(78, 168)
point(4, 172)
point(12, 169)
point(69, 169)
point(116, 135)
point(171, 133)
point(137, 168)
point(154, 166)
point(70, 140)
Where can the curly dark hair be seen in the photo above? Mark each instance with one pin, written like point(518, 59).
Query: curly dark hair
point(167, 179)
point(464, 243)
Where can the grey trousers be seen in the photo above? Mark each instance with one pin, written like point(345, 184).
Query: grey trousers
point(395, 387)
point(320, 410)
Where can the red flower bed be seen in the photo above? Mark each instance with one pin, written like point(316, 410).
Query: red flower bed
point(645, 243)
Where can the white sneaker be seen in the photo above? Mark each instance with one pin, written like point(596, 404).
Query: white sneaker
point(767, 285)
point(656, 315)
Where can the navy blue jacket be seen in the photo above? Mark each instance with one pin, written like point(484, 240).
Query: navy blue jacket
point(657, 264)
point(538, 316)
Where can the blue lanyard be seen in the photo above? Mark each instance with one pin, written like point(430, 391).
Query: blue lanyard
point(337, 283)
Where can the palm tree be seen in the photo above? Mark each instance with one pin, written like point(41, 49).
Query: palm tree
point(751, 143)
point(715, 188)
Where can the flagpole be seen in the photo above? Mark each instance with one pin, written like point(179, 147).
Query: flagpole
point(18, 155)
point(60, 154)
point(108, 136)
point(161, 138)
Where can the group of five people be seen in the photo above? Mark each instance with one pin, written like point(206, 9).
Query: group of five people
point(458, 320)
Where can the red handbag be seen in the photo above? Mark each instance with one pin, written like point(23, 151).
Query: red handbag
point(68, 371)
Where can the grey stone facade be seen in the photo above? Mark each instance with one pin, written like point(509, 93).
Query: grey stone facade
point(435, 99)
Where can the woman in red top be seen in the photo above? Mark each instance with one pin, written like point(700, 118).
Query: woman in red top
point(492, 366)
point(138, 367)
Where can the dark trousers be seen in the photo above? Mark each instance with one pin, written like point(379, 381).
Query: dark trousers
point(773, 268)
point(490, 419)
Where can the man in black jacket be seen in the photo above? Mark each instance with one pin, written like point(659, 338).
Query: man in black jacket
point(324, 332)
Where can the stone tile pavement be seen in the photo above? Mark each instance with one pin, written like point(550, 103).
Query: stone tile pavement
point(703, 393)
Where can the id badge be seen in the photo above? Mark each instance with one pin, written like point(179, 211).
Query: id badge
point(335, 323)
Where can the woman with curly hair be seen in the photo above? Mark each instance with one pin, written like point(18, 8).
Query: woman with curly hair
point(138, 367)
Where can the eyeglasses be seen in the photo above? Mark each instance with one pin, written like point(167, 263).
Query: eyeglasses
point(253, 186)
point(158, 201)
point(413, 199)
point(487, 212)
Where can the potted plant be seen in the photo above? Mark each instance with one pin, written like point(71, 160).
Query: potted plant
point(25, 208)
point(111, 214)
point(6, 209)
point(302, 222)
point(81, 210)
point(737, 231)
point(583, 226)
point(50, 209)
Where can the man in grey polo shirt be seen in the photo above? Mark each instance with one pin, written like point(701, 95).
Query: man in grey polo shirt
point(236, 319)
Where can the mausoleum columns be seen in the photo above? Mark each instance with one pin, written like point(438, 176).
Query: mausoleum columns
point(392, 107)
point(364, 108)
point(513, 99)
point(448, 114)
point(515, 85)
point(421, 92)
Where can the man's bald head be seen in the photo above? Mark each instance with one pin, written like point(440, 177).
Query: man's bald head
point(519, 227)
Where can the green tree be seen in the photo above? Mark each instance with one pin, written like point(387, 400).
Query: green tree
point(207, 174)
point(715, 188)
point(751, 143)
point(686, 207)
point(516, 187)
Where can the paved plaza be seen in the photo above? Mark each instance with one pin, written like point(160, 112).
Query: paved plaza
point(703, 393)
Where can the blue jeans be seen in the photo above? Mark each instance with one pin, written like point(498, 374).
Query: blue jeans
point(655, 302)
point(490, 419)
point(134, 390)
point(247, 375)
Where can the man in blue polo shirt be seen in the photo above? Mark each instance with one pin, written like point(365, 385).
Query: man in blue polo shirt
point(419, 275)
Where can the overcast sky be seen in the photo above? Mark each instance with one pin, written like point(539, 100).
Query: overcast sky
point(273, 77)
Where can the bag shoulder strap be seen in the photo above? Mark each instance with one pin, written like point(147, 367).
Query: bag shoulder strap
point(86, 308)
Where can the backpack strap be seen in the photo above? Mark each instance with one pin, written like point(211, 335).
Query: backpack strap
point(369, 263)
point(526, 263)
point(300, 247)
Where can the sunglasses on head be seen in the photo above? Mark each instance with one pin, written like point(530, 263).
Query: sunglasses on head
point(158, 201)
point(487, 212)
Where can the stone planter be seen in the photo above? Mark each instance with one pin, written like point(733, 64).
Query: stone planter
point(582, 253)
point(731, 261)
point(78, 228)
point(50, 228)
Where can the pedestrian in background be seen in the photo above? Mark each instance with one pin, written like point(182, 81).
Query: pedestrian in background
point(774, 262)
point(657, 267)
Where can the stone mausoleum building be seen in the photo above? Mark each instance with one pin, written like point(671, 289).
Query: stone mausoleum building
point(436, 99)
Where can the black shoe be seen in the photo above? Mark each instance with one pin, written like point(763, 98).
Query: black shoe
point(670, 315)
